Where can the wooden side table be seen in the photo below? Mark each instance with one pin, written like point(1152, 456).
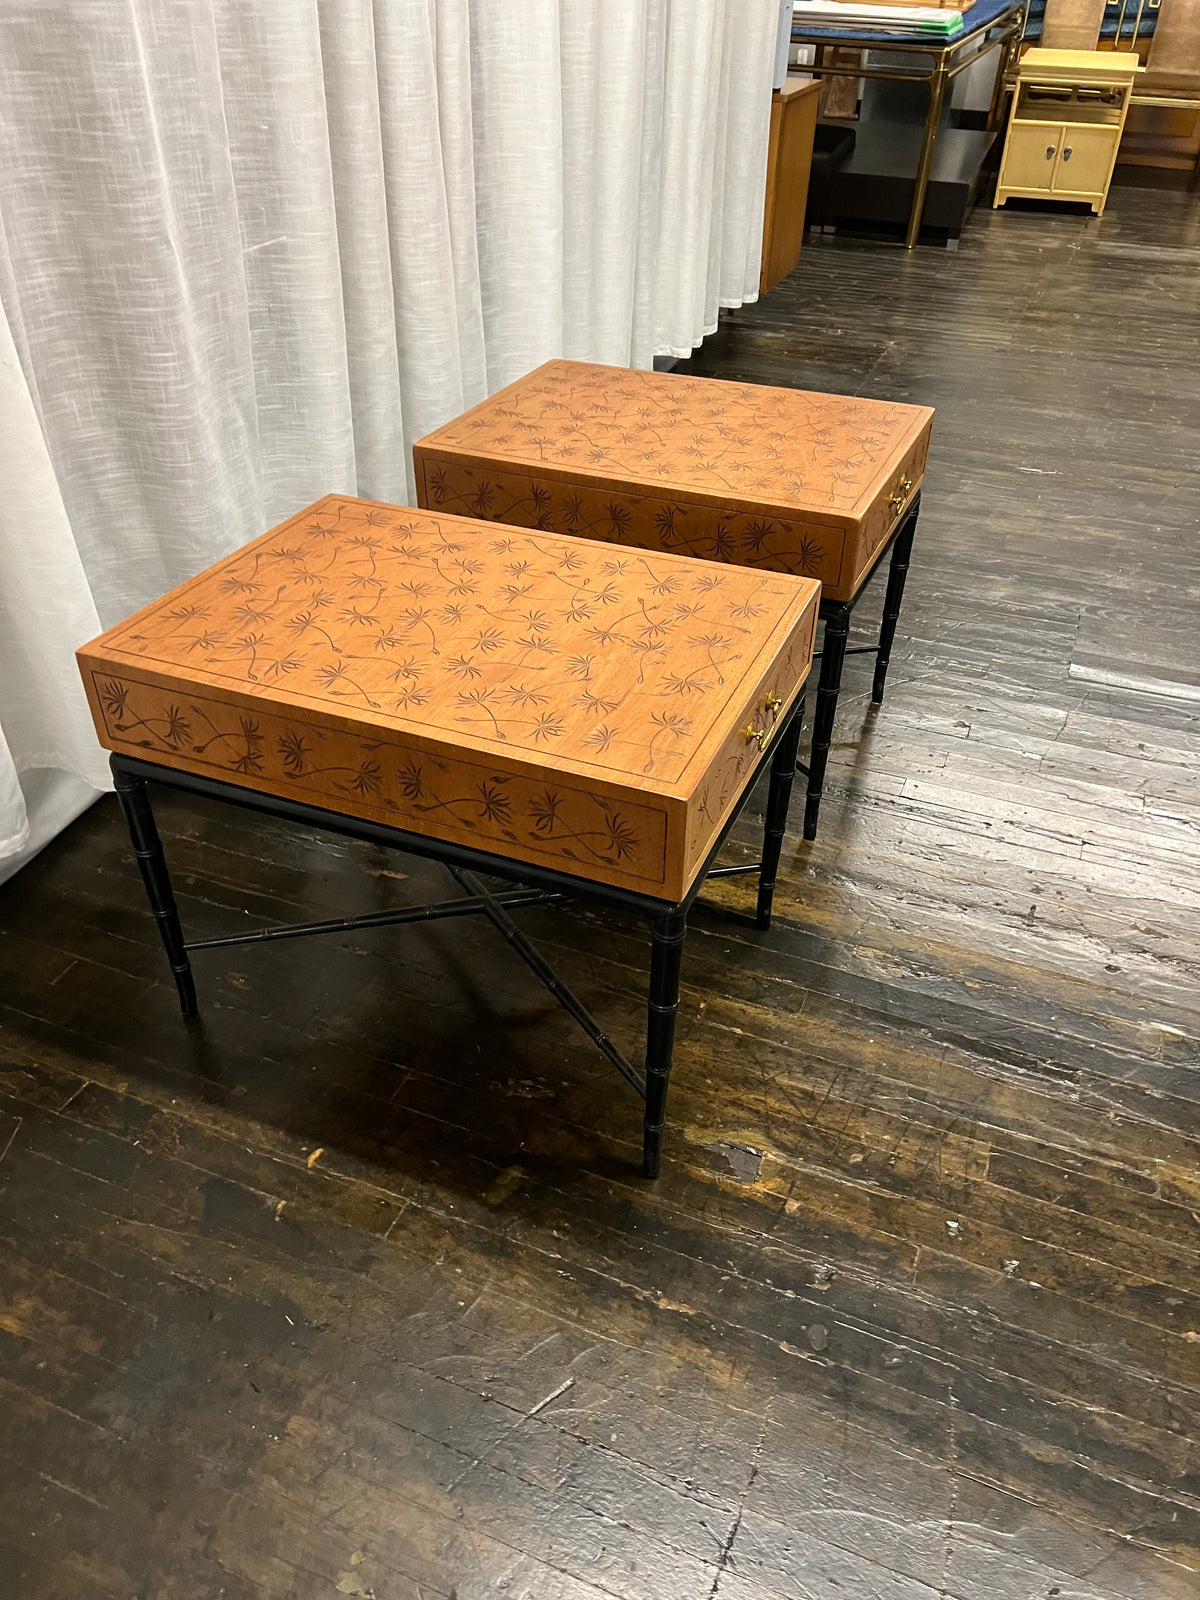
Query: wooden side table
point(577, 720)
point(778, 480)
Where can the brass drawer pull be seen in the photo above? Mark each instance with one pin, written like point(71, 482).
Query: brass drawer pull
point(901, 493)
point(774, 703)
point(752, 733)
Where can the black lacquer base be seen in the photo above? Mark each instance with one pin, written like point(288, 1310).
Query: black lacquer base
point(536, 886)
point(835, 648)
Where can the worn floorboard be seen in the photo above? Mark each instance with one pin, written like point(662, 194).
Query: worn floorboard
point(352, 1289)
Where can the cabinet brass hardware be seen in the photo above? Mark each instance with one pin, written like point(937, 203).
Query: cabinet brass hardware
point(774, 702)
point(752, 733)
point(901, 494)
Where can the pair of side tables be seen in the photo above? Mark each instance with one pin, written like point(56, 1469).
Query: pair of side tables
point(565, 671)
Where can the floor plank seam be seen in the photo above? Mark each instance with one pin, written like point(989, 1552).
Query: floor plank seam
point(726, 1558)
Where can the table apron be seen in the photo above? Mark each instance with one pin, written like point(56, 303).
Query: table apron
point(455, 855)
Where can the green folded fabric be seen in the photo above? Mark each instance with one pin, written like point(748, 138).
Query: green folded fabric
point(851, 20)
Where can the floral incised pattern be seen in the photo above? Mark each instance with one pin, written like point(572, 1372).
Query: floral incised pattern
point(548, 698)
point(548, 647)
point(552, 819)
point(781, 447)
point(774, 544)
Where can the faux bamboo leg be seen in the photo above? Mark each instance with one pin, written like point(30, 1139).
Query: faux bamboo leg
point(783, 776)
point(833, 655)
point(897, 575)
point(937, 94)
point(147, 847)
point(668, 932)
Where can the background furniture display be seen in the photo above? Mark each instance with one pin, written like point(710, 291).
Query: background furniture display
point(907, 16)
point(789, 159)
point(1065, 125)
point(1069, 24)
point(833, 143)
point(524, 705)
point(1173, 61)
point(839, 92)
point(1162, 129)
point(775, 479)
point(1171, 82)
point(936, 63)
point(874, 184)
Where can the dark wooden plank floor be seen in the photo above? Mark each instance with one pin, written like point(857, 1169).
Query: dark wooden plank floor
point(352, 1289)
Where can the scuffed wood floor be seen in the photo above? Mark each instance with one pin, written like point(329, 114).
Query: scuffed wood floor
point(352, 1289)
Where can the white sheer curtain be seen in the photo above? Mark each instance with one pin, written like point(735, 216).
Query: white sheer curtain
point(251, 249)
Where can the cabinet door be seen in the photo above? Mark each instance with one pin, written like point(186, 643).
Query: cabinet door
point(1085, 159)
point(1030, 157)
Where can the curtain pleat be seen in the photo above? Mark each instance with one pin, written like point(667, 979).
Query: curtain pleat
point(251, 249)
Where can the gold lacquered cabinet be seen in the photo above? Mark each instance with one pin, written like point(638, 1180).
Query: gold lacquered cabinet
point(1031, 159)
point(1066, 124)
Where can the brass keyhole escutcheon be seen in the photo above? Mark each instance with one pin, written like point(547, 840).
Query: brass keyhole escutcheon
point(752, 733)
point(901, 493)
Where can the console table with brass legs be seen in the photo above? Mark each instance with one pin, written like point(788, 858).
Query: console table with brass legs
point(988, 25)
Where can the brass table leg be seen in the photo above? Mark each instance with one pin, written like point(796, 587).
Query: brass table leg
point(937, 95)
point(1010, 51)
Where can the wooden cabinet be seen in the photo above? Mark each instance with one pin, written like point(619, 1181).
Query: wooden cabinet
point(1085, 160)
point(789, 161)
point(1030, 157)
point(1050, 159)
point(1066, 123)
